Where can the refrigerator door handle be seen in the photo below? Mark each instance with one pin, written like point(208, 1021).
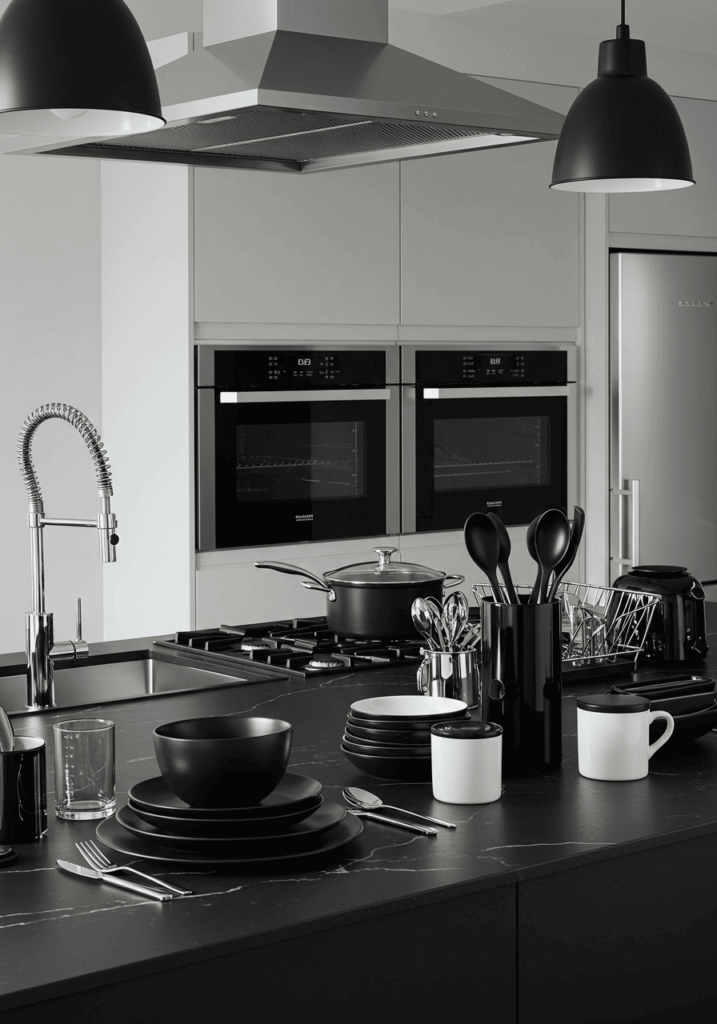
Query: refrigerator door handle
point(633, 491)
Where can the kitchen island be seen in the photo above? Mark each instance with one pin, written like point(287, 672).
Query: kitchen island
point(568, 900)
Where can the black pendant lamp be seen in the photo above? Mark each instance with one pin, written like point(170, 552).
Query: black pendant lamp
point(75, 68)
point(623, 132)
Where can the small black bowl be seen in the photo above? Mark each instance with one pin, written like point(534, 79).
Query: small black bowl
point(400, 769)
point(223, 762)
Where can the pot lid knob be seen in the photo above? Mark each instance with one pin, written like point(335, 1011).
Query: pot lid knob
point(384, 559)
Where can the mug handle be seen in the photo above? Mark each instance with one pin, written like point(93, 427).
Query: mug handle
point(654, 747)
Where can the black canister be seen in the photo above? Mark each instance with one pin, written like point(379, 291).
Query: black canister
point(521, 682)
point(23, 799)
point(677, 632)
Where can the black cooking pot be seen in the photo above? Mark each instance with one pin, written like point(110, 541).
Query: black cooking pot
point(372, 600)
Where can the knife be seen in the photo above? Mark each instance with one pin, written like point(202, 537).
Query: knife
point(121, 883)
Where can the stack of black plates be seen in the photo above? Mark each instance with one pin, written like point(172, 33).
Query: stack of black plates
point(691, 700)
point(294, 821)
point(390, 737)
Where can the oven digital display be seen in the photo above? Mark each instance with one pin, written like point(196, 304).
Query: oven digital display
point(284, 369)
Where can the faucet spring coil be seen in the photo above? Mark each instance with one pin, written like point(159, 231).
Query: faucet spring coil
point(77, 419)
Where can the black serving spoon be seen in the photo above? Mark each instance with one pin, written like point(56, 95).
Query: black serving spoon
point(549, 543)
point(483, 545)
point(576, 534)
point(504, 556)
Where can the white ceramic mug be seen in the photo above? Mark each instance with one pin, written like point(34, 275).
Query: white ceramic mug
point(466, 762)
point(614, 736)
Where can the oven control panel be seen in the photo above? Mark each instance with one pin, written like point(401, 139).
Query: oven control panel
point(438, 366)
point(295, 369)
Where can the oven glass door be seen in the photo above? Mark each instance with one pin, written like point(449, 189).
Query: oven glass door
point(290, 470)
point(483, 454)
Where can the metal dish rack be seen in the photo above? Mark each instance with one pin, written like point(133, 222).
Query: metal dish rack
point(601, 626)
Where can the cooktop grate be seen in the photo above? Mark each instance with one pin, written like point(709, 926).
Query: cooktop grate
point(299, 647)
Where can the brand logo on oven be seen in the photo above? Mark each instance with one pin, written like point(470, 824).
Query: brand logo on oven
point(303, 519)
point(695, 303)
point(494, 504)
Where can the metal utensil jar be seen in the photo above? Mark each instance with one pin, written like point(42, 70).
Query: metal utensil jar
point(450, 674)
point(372, 599)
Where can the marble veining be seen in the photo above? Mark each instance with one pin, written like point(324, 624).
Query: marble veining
point(542, 823)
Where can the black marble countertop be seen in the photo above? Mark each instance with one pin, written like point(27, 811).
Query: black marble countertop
point(59, 934)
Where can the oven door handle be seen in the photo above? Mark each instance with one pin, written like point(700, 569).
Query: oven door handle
point(347, 395)
point(549, 391)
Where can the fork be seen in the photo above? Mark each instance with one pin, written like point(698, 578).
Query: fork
point(97, 860)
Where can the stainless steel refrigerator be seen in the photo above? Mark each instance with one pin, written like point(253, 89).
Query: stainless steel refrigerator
point(663, 404)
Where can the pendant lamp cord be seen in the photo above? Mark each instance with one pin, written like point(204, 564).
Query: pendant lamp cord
point(622, 8)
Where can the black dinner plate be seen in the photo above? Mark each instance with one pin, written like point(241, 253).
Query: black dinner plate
point(226, 828)
point(377, 709)
point(401, 736)
point(111, 833)
point(293, 793)
point(374, 750)
point(687, 727)
point(401, 724)
point(326, 817)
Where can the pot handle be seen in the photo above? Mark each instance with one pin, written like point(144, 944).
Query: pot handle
point(453, 581)
point(317, 583)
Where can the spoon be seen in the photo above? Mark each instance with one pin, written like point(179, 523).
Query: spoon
point(423, 622)
point(370, 802)
point(504, 556)
point(7, 735)
point(451, 619)
point(409, 826)
point(436, 612)
point(551, 540)
point(576, 534)
point(483, 546)
point(457, 607)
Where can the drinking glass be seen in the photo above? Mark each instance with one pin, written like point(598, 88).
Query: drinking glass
point(84, 769)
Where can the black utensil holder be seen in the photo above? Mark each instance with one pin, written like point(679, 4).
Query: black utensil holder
point(521, 682)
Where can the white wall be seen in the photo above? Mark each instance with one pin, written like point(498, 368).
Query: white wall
point(147, 395)
point(49, 352)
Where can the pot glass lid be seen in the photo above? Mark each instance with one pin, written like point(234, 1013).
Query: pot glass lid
point(384, 572)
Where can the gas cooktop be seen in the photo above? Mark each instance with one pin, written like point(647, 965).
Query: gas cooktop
point(299, 647)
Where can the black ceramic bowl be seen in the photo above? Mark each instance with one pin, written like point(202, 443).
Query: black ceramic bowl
point(400, 769)
point(374, 750)
point(223, 762)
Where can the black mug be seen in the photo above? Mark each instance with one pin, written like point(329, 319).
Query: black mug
point(521, 682)
point(23, 793)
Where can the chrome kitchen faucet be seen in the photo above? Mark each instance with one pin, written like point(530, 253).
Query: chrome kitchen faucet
point(42, 651)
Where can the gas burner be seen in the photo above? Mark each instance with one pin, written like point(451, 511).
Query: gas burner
point(325, 661)
point(299, 647)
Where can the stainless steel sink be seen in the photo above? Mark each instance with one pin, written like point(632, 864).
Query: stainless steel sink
point(147, 674)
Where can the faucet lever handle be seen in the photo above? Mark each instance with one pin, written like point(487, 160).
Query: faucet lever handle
point(81, 646)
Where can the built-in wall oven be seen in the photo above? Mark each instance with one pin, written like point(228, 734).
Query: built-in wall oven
point(485, 430)
point(296, 444)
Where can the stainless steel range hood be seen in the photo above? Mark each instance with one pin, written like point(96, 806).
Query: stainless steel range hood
point(307, 85)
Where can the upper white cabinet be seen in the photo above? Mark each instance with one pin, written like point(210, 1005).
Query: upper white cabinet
point(689, 211)
point(485, 241)
point(281, 248)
